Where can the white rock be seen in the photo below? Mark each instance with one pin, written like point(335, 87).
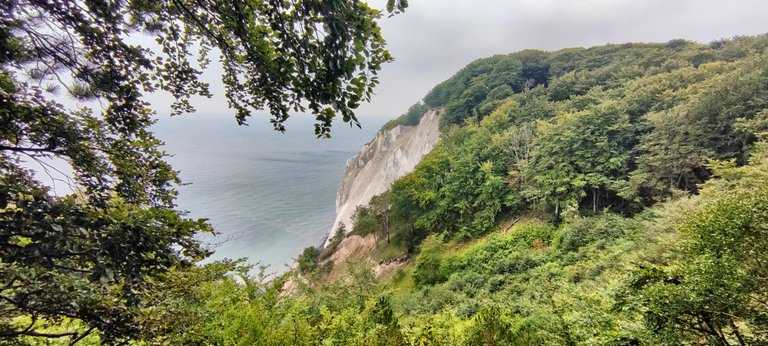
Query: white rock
point(389, 156)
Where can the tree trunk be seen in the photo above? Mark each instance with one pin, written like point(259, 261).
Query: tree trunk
point(737, 333)
point(719, 338)
point(594, 200)
point(386, 226)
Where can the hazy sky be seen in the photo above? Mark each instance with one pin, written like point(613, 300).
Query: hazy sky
point(433, 39)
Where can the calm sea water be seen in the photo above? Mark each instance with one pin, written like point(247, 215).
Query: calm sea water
point(270, 195)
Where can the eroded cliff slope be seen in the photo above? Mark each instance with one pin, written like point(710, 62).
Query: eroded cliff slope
point(389, 156)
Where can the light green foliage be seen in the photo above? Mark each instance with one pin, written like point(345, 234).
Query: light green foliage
point(628, 135)
point(491, 327)
point(541, 291)
point(461, 186)
point(247, 310)
point(661, 277)
point(429, 269)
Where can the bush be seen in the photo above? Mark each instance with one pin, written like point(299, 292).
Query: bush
point(308, 260)
point(334, 242)
point(429, 264)
point(583, 231)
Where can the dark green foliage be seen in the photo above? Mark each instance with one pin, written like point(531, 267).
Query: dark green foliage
point(409, 118)
point(465, 91)
point(580, 153)
point(573, 72)
point(535, 68)
point(308, 260)
point(592, 137)
point(529, 106)
point(703, 128)
point(616, 126)
point(374, 218)
point(463, 105)
point(460, 187)
point(364, 221)
point(569, 85)
point(612, 130)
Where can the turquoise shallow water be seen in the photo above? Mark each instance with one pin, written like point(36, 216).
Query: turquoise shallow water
point(270, 195)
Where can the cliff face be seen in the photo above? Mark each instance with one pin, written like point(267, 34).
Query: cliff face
point(389, 156)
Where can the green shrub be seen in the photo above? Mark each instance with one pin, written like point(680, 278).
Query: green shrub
point(308, 259)
point(334, 242)
point(429, 264)
point(579, 232)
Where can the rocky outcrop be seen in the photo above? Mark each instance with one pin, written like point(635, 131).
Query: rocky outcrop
point(389, 156)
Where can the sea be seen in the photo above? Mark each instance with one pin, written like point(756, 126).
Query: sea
point(269, 195)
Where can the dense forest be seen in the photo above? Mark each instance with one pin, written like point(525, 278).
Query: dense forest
point(610, 195)
point(613, 195)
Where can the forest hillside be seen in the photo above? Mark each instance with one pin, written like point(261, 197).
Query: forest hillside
point(607, 195)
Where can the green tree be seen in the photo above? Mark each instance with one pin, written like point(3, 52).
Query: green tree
point(580, 153)
point(374, 218)
point(672, 153)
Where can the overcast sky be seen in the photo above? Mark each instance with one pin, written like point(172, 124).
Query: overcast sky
point(433, 39)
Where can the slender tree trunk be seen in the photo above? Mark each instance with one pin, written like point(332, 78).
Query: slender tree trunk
point(737, 333)
point(386, 225)
point(410, 238)
point(594, 200)
point(719, 338)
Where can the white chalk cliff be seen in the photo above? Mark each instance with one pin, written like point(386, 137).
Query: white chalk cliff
point(389, 156)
